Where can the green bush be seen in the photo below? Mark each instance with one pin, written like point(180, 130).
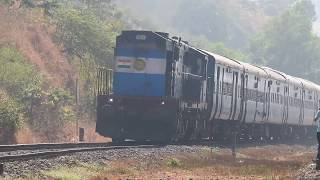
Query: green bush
point(84, 35)
point(10, 118)
point(17, 75)
point(173, 162)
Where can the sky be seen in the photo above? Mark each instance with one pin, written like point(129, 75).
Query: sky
point(316, 26)
point(317, 6)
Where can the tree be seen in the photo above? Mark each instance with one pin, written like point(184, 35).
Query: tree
point(214, 20)
point(84, 36)
point(288, 44)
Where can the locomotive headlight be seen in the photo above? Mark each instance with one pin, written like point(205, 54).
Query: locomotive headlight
point(162, 103)
point(110, 100)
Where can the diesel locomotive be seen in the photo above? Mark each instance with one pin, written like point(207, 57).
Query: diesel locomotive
point(165, 89)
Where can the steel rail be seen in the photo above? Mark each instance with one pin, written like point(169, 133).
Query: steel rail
point(7, 148)
point(61, 152)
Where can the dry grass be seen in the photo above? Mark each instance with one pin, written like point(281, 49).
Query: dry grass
point(90, 132)
point(82, 171)
point(25, 135)
point(216, 164)
point(268, 162)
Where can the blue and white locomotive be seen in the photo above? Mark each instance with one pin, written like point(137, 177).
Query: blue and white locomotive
point(164, 89)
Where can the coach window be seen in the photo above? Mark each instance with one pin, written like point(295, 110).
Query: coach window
point(256, 82)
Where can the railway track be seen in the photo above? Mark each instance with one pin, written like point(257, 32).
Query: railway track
point(32, 151)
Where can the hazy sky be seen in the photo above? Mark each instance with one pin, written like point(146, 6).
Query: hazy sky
point(317, 5)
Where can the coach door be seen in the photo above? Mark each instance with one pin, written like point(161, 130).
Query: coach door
point(285, 101)
point(245, 97)
point(235, 104)
point(302, 98)
point(217, 91)
point(226, 94)
point(268, 99)
point(259, 91)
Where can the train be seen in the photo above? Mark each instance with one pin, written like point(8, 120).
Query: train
point(164, 89)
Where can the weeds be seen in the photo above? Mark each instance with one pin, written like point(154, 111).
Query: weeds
point(120, 170)
point(82, 171)
point(174, 163)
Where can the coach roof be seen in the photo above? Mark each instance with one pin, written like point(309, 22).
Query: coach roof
point(225, 61)
point(274, 74)
point(252, 69)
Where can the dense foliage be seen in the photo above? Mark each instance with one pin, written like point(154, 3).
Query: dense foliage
point(288, 44)
point(84, 35)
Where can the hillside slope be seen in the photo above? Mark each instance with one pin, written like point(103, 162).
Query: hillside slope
point(28, 32)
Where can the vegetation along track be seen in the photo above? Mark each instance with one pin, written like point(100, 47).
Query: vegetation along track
point(32, 151)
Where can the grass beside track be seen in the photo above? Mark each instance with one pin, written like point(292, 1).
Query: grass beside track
point(263, 162)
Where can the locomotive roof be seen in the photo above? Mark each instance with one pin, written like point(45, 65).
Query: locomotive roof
point(225, 61)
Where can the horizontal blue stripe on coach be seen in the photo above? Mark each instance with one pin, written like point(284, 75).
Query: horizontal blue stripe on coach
point(138, 84)
point(149, 53)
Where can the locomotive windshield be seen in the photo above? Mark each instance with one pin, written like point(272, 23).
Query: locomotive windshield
point(140, 64)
